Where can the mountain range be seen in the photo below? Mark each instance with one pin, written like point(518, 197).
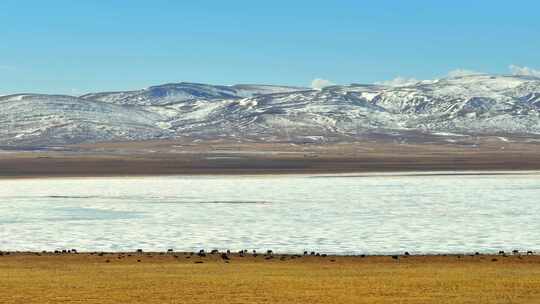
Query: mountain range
point(473, 105)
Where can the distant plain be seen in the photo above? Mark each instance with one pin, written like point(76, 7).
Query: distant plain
point(185, 156)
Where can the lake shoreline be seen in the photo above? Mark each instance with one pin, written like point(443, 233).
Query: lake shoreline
point(316, 174)
point(248, 254)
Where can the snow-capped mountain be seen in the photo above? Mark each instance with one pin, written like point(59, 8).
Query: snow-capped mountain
point(30, 120)
point(470, 105)
point(177, 92)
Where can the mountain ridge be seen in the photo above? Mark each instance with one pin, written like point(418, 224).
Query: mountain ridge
point(472, 105)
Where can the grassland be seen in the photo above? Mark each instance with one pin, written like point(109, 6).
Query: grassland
point(182, 278)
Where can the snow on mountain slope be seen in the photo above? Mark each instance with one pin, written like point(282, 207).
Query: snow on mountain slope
point(469, 104)
point(275, 116)
point(474, 105)
point(179, 92)
point(29, 120)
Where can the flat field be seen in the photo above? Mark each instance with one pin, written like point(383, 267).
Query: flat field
point(184, 278)
point(177, 158)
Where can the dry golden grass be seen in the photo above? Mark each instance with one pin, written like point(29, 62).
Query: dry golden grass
point(83, 278)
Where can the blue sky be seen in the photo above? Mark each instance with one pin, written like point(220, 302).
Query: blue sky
point(75, 47)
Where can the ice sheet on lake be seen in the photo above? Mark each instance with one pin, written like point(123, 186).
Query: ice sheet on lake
point(351, 214)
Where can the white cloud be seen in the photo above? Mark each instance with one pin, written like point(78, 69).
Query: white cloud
point(319, 83)
point(523, 71)
point(462, 72)
point(404, 81)
point(399, 82)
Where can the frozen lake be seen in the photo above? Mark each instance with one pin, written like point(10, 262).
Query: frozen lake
point(381, 213)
